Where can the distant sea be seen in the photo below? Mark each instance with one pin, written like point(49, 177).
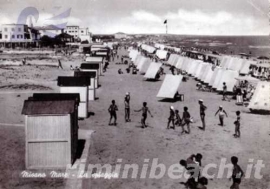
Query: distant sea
point(256, 45)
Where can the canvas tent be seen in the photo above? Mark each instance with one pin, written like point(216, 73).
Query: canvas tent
point(204, 67)
point(173, 59)
point(152, 70)
point(260, 100)
point(133, 54)
point(218, 78)
point(224, 61)
point(148, 48)
point(206, 72)
point(179, 62)
point(159, 46)
point(213, 78)
point(228, 77)
point(244, 70)
point(199, 69)
point(209, 76)
point(138, 59)
point(236, 64)
point(170, 86)
point(161, 54)
point(143, 66)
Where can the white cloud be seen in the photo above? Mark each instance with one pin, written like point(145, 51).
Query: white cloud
point(191, 22)
point(142, 15)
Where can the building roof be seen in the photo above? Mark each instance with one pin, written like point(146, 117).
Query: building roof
point(85, 74)
point(73, 81)
point(90, 66)
point(56, 96)
point(48, 27)
point(120, 33)
point(31, 107)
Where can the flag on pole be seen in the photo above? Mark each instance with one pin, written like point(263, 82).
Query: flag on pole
point(165, 22)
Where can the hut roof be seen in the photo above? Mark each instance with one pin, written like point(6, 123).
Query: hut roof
point(85, 74)
point(89, 66)
point(32, 107)
point(73, 81)
point(56, 96)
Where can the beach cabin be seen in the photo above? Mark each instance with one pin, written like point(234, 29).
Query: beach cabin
point(51, 133)
point(95, 60)
point(79, 85)
point(85, 67)
point(91, 87)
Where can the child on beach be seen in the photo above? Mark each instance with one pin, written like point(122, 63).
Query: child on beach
point(178, 120)
point(144, 110)
point(186, 118)
point(237, 133)
point(224, 92)
point(127, 107)
point(112, 110)
point(237, 173)
point(171, 118)
point(221, 112)
point(202, 113)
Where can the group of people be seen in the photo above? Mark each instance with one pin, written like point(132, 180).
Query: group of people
point(113, 109)
point(174, 117)
point(193, 166)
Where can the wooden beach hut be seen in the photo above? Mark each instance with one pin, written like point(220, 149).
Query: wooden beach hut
point(91, 87)
point(51, 129)
point(79, 85)
point(85, 67)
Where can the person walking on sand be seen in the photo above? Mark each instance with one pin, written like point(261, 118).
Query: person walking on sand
point(187, 119)
point(224, 92)
point(237, 173)
point(144, 110)
point(237, 133)
point(202, 113)
point(221, 113)
point(127, 107)
point(178, 120)
point(171, 118)
point(112, 110)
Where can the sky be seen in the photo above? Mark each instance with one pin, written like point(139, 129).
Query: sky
point(191, 17)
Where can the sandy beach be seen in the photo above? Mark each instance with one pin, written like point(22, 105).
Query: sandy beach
point(128, 141)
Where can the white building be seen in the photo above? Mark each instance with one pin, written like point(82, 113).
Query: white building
point(49, 30)
point(82, 34)
point(120, 35)
point(18, 33)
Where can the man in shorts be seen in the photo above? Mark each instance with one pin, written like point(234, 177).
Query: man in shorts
point(144, 110)
point(127, 107)
point(112, 110)
point(171, 118)
point(202, 113)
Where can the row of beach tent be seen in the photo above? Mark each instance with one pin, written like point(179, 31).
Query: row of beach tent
point(230, 71)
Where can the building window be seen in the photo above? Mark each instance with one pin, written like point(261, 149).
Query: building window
point(18, 36)
point(6, 29)
point(13, 36)
point(6, 36)
point(81, 31)
point(12, 29)
point(19, 29)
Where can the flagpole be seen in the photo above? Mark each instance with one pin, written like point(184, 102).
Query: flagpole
point(167, 27)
